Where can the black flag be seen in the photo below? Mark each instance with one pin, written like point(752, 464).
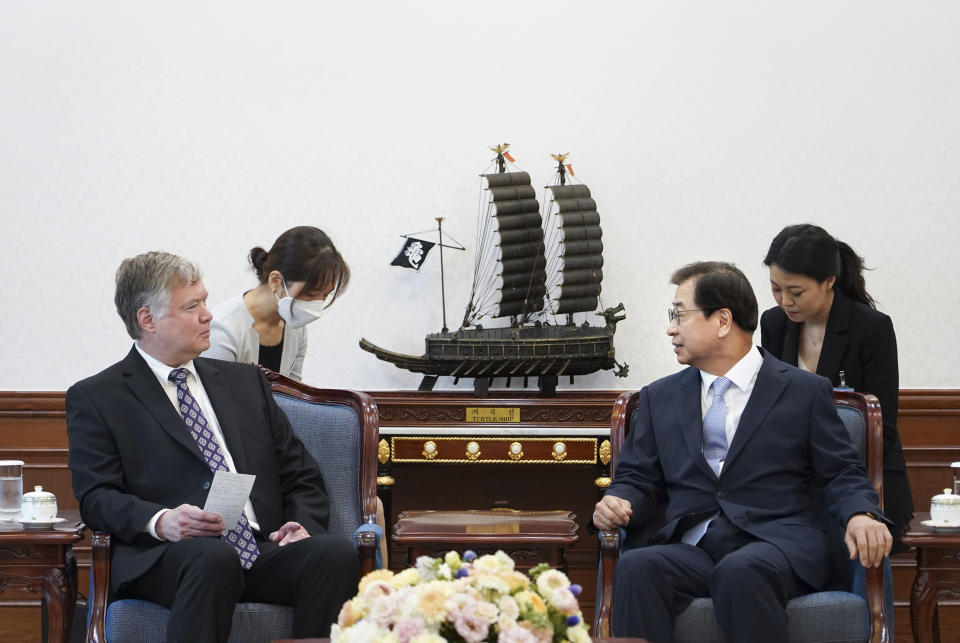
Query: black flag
point(413, 253)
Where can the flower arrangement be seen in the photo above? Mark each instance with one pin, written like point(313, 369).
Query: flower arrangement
point(471, 599)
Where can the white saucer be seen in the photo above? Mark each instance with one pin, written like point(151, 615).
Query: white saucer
point(37, 524)
point(941, 526)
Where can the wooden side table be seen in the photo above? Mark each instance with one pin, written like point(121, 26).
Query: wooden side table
point(938, 574)
point(41, 560)
point(529, 537)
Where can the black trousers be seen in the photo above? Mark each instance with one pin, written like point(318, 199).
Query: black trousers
point(750, 582)
point(200, 580)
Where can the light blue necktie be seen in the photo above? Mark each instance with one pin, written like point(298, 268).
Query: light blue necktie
point(714, 447)
point(715, 426)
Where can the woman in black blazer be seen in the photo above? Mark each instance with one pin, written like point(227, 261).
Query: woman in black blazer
point(827, 323)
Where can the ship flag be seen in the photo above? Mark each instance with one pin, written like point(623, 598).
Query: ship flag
point(413, 253)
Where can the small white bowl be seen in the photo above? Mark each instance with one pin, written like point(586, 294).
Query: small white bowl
point(38, 506)
point(945, 508)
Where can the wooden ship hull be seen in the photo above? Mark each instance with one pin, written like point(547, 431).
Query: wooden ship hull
point(509, 352)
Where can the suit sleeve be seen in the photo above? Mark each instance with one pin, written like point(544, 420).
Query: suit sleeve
point(304, 495)
point(881, 376)
point(838, 467)
point(638, 477)
point(98, 475)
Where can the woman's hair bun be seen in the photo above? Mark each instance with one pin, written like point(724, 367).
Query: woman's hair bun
point(258, 257)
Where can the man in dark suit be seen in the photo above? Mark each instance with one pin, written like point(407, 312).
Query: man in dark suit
point(736, 455)
point(146, 436)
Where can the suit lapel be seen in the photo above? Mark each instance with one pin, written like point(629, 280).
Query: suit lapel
point(769, 386)
point(689, 418)
point(143, 383)
point(791, 344)
point(834, 339)
point(219, 393)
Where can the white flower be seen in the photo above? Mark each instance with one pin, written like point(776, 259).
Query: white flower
point(551, 580)
point(361, 632)
point(505, 560)
point(427, 567)
point(492, 583)
point(564, 600)
point(488, 564)
point(428, 637)
point(444, 572)
point(384, 611)
point(508, 606)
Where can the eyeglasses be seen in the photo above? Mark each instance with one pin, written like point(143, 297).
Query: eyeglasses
point(673, 314)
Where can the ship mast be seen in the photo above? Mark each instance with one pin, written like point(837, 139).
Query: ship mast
point(443, 295)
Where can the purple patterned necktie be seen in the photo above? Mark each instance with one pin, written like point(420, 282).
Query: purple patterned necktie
point(240, 536)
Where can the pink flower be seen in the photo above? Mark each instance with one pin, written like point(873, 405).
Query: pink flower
point(408, 627)
point(473, 630)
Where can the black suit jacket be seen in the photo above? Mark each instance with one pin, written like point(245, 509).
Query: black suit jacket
point(131, 455)
point(860, 342)
point(789, 457)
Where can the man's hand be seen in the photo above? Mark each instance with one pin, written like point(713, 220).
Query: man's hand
point(290, 532)
point(188, 521)
point(612, 512)
point(868, 537)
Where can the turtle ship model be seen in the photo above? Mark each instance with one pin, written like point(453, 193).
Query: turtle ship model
point(538, 272)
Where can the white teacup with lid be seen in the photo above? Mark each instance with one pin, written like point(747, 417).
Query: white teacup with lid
point(945, 508)
point(38, 506)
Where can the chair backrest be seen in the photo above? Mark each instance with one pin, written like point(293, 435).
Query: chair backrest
point(339, 429)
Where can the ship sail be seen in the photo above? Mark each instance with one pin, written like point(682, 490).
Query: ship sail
point(575, 249)
point(509, 278)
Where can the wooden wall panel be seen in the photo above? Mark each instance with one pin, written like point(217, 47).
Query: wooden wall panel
point(32, 429)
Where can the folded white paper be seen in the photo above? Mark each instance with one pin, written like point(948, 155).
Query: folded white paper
point(228, 494)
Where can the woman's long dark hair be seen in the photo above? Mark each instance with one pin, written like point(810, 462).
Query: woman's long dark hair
point(809, 250)
point(304, 254)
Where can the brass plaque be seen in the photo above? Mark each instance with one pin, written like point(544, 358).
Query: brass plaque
point(493, 414)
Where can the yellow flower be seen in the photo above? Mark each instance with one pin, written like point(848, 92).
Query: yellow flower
point(578, 634)
point(408, 576)
point(453, 560)
point(377, 574)
point(530, 603)
point(349, 614)
point(432, 600)
point(517, 581)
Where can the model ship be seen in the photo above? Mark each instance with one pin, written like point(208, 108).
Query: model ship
point(537, 273)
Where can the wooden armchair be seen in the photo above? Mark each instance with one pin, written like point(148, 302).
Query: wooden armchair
point(859, 614)
point(340, 429)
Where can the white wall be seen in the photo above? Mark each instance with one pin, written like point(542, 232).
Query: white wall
point(204, 128)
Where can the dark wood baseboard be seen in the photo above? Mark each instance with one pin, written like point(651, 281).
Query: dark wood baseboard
point(33, 429)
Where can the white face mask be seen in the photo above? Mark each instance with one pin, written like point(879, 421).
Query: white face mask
point(297, 312)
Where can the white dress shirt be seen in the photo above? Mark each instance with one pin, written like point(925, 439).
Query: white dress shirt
point(162, 372)
point(743, 377)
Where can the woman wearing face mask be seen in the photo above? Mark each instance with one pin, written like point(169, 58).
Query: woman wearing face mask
point(300, 277)
point(826, 322)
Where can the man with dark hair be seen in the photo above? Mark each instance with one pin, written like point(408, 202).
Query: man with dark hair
point(734, 453)
point(146, 436)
